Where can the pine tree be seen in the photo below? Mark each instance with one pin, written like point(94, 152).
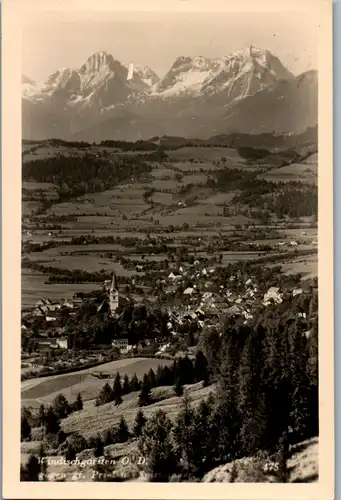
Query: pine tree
point(126, 385)
point(140, 422)
point(145, 394)
point(105, 395)
point(123, 432)
point(70, 453)
point(201, 368)
point(25, 429)
point(277, 382)
point(186, 370)
point(156, 446)
point(99, 447)
point(78, 442)
point(251, 401)
point(210, 343)
point(108, 438)
point(134, 383)
point(61, 406)
point(159, 376)
point(32, 469)
point(117, 390)
point(151, 378)
point(178, 388)
point(41, 415)
point(51, 422)
point(312, 356)
point(225, 421)
point(43, 462)
point(185, 439)
point(202, 453)
point(78, 404)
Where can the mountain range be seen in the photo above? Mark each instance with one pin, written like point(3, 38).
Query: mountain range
point(249, 91)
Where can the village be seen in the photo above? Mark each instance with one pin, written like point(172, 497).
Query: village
point(192, 298)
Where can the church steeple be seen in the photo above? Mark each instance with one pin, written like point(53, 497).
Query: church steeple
point(113, 295)
point(113, 282)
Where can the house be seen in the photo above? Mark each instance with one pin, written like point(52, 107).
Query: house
point(247, 314)
point(171, 276)
point(297, 291)
point(189, 291)
point(272, 296)
point(293, 243)
point(53, 343)
point(207, 296)
point(51, 317)
point(43, 302)
point(191, 315)
point(234, 311)
point(41, 342)
point(38, 312)
point(122, 344)
point(163, 347)
point(62, 342)
point(77, 301)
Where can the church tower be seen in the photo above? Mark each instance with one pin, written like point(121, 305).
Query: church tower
point(113, 295)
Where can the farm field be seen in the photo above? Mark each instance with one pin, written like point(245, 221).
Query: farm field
point(303, 172)
point(206, 153)
point(45, 389)
point(305, 265)
point(33, 288)
point(128, 209)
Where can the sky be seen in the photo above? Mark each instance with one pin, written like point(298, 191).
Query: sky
point(156, 39)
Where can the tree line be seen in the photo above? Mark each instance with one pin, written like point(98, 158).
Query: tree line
point(67, 173)
point(182, 371)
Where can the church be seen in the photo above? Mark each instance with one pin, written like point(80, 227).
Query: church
point(114, 298)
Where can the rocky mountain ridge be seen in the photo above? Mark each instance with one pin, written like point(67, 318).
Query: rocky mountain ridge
point(249, 91)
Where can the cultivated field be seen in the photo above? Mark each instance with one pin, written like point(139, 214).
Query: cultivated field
point(129, 208)
point(34, 287)
point(45, 389)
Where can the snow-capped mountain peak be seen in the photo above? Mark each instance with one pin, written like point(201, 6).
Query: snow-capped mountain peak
point(196, 94)
point(101, 62)
point(147, 75)
point(64, 79)
point(239, 74)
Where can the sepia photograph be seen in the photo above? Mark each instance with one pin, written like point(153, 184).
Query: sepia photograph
point(170, 245)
